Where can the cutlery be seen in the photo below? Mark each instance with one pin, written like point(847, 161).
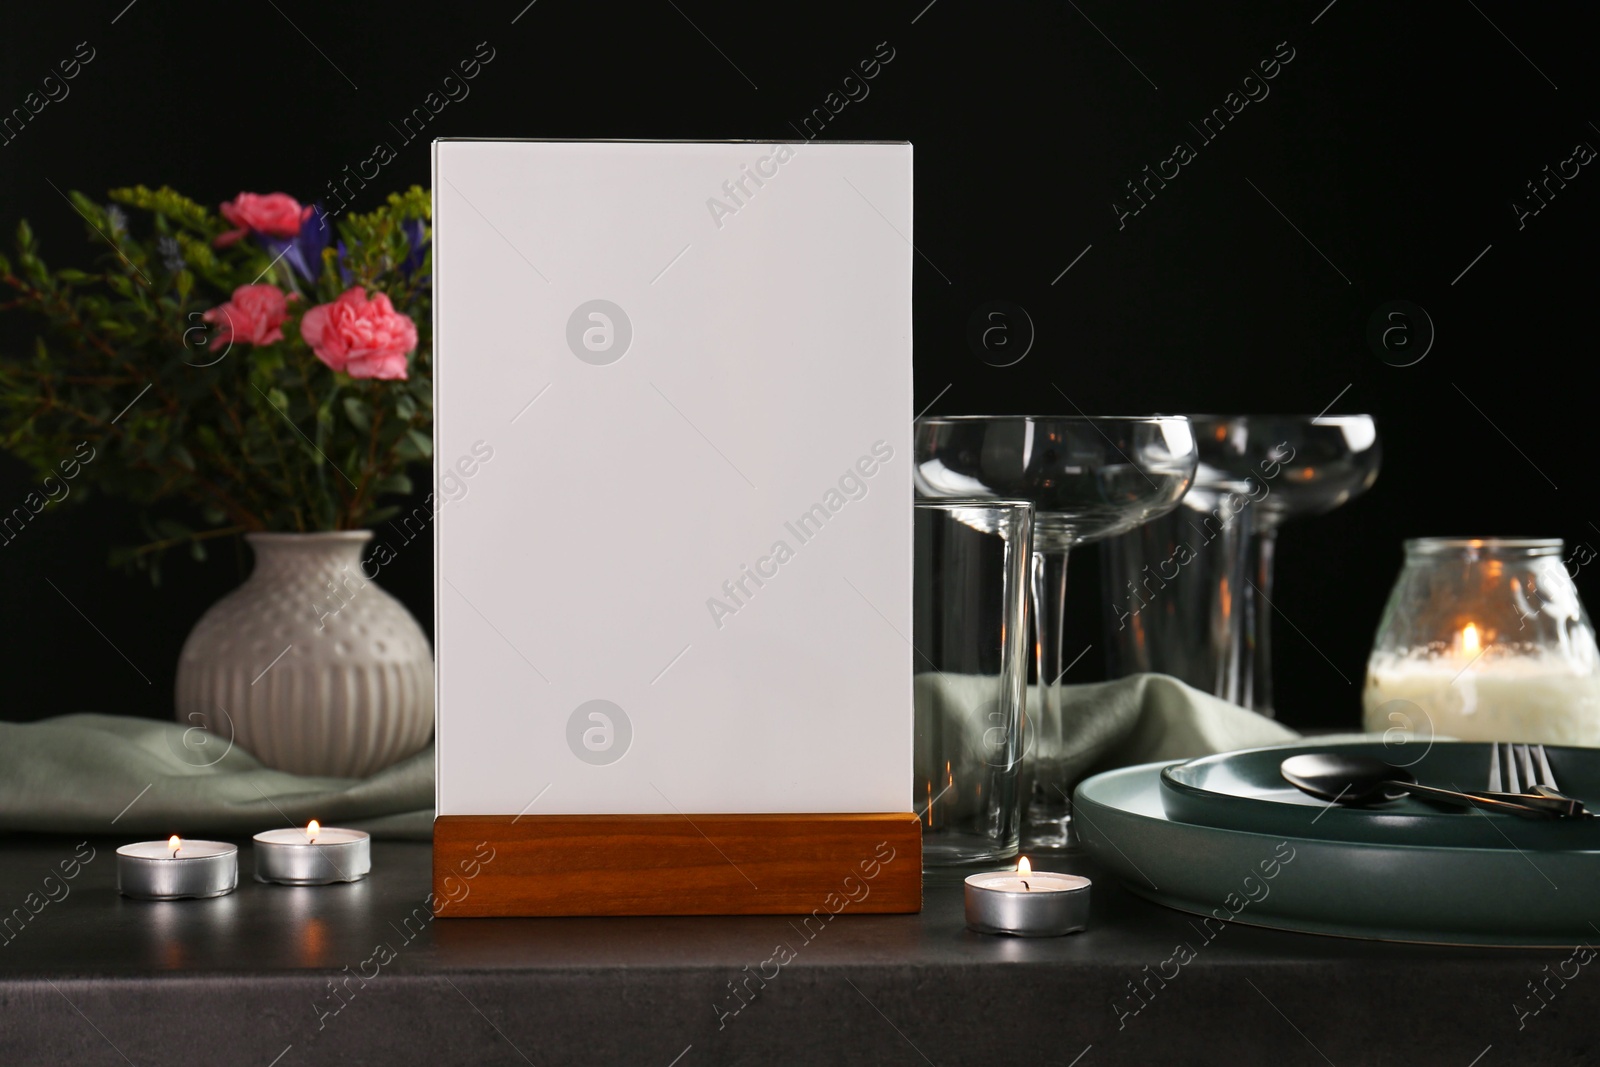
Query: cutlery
point(1361, 780)
point(1527, 767)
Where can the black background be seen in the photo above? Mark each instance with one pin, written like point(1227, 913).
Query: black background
point(1395, 140)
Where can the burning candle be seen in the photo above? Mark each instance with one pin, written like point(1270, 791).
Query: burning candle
point(1485, 639)
point(1027, 903)
point(1476, 691)
point(175, 869)
point(316, 855)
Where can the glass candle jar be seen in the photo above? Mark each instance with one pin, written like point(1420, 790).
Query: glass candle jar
point(1485, 639)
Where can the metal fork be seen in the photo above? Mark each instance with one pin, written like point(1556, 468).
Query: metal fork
point(1525, 773)
point(1519, 773)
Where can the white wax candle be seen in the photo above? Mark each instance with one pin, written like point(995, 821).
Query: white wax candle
point(1036, 882)
point(177, 868)
point(327, 835)
point(1493, 698)
point(186, 850)
point(313, 855)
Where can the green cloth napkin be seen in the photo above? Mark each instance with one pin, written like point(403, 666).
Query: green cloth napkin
point(1149, 717)
point(1138, 719)
point(109, 774)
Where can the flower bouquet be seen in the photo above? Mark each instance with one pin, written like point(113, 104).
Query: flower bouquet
point(266, 364)
point(270, 369)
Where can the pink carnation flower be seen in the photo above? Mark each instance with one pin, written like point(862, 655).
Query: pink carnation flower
point(275, 214)
point(363, 338)
point(254, 316)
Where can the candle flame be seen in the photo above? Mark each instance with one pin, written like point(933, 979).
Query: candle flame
point(313, 829)
point(1023, 866)
point(1470, 644)
point(173, 843)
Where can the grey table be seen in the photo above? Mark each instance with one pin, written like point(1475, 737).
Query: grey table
point(356, 974)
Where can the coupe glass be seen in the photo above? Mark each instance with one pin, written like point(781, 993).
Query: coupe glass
point(1328, 460)
point(1191, 592)
point(1089, 477)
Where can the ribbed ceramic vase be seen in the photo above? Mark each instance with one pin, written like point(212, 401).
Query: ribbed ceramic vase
point(309, 665)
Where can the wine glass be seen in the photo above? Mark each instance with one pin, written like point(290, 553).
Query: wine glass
point(1199, 621)
point(1327, 461)
point(1089, 477)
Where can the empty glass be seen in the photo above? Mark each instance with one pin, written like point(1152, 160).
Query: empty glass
point(1176, 594)
point(1190, 594)
point(1327, 462)
point(970, 638)
point(1089, 477)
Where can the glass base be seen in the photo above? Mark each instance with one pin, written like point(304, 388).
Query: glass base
point(975, 851)
point(1049, 826)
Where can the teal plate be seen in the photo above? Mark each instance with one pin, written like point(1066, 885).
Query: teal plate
point(1244, 791)
point(1380, 891)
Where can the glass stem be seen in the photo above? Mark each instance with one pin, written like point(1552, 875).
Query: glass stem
point(1049, 805)
point(1050, 608)
point(1261, 625)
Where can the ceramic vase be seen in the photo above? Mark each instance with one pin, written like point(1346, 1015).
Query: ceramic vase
point(309, 665)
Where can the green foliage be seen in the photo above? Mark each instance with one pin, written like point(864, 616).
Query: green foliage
point(171, 208)
point(252, 437)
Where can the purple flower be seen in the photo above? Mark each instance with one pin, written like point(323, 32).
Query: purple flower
point(344, 272)
point(419, 248)
point(303, 251)
point(171, 253)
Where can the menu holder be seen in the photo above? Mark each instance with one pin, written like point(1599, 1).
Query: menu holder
point(673, 528)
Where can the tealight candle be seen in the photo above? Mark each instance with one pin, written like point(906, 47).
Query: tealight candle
point(175, 869)
point(1027, 903)
point(317, 855)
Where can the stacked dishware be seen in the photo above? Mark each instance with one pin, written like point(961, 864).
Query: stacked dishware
point(1230, 838)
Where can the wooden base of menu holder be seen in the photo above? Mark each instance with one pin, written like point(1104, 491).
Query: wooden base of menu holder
point(502, 865)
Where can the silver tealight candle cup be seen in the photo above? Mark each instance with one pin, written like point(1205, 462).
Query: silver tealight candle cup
point(1027, 903)
point(175, 869)
point(316, 855)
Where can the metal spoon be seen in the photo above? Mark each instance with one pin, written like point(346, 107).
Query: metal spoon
point(1360, 780)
